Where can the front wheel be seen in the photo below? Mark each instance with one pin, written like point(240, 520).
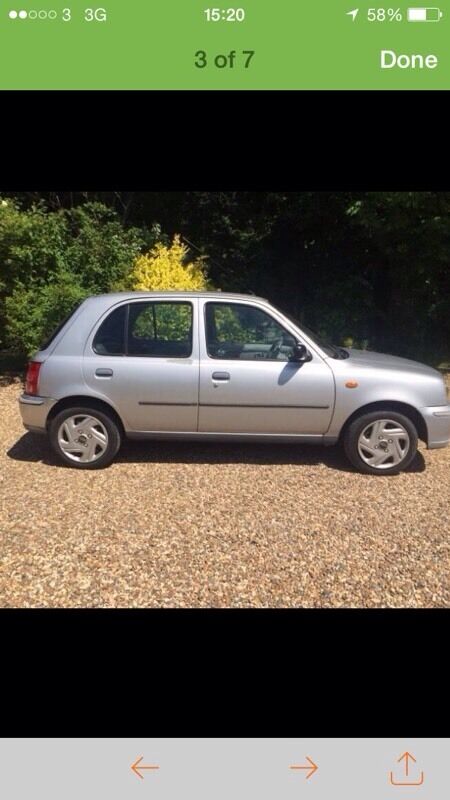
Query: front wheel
point(381, 442)
point(84, 437)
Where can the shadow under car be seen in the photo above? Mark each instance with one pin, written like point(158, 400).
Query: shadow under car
point(34, 447)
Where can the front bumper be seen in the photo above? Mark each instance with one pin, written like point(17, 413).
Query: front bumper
point(437, 420)
point(34, 412)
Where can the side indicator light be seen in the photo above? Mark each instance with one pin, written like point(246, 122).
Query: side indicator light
point(351, 384)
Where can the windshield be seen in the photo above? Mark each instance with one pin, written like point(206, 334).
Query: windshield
point(329, 348)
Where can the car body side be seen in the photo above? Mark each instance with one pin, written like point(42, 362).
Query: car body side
point(350, 385)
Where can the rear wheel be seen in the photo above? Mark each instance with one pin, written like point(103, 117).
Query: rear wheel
point(381, 443)
point(84, 437)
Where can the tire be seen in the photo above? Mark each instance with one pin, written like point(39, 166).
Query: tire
point(84, 437)
point(381, 433)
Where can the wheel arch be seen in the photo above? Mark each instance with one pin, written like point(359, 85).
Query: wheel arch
point(88, 402)
point(391, 405)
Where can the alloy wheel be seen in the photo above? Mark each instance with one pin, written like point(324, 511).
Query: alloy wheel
point(383, 444)
point(83, 438)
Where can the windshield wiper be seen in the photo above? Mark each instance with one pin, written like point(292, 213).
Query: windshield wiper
point(339, 352)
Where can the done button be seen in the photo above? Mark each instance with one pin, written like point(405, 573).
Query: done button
point(390, 60)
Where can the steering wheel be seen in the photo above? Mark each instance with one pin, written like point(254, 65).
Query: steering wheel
point(276, 347)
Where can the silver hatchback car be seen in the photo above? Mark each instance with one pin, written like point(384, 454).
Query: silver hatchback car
point(221, 366)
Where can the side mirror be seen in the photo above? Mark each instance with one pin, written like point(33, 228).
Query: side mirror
point(300, 353)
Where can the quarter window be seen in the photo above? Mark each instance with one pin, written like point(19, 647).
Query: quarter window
point(110, 337)
point(235, 331)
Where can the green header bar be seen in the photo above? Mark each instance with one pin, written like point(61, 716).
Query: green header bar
point(255, 44)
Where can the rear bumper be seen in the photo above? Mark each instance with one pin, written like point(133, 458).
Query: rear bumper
point(437, 420)
point(34, 412)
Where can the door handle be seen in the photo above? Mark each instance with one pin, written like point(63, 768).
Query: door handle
point(104, 373)
point(221, 376)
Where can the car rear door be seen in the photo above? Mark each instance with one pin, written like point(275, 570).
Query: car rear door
point(143, 358)
point(248, 384)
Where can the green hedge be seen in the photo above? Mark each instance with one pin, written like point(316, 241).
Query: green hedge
point(50, 260)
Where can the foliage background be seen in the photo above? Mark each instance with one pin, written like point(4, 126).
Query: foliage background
point(368, 268)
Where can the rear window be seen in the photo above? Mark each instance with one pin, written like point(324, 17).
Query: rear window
point(58, 328)
point(160, 329)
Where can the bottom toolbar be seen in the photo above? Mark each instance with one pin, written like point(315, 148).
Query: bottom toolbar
point(201, 768)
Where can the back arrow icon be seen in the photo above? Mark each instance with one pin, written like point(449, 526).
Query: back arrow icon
point(353, 13)
point(137, 767)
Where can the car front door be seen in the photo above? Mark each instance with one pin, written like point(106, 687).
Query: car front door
point(247, 382)
point(143, 357)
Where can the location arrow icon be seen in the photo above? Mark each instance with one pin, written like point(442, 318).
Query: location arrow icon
point(353, 14)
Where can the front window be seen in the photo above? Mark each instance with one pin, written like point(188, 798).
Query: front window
point(328, 348)
point(238, 331)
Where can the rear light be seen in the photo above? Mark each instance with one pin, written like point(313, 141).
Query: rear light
point(32, 377)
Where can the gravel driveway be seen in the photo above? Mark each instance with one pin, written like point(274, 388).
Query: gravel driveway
point(181, 524)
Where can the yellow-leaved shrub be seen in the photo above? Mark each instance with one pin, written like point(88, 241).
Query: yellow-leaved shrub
point(167, 268)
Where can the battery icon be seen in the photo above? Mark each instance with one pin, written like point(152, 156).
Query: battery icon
point(424, 14)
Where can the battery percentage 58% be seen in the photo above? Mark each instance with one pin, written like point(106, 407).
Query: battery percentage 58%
point(384, 15)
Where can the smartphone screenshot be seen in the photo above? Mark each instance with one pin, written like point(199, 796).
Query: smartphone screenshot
point(225, 342)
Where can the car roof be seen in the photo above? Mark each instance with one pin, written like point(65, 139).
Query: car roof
point(216, 295)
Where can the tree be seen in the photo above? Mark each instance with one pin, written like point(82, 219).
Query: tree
point(373, 267)
point(167, 267)
point(50, 260)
